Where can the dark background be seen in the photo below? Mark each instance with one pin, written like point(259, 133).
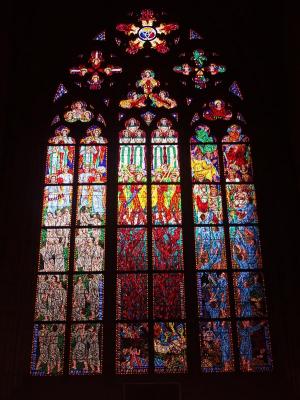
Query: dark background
point(261, 45)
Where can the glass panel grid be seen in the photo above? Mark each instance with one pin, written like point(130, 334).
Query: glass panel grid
point(56, 277)
point(215, 332)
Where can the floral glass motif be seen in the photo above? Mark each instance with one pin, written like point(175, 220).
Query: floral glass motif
point(201, 71)
point(216, 346)
point(210, 248)
point(147, 84)
point(132, 249)
point(167, 248)
point(148, 30)
point(54, 250)
point(86, 349)
point(95, 70)
point(88, 296)
point(48, 349)
point(132, 354)
point(170, 347)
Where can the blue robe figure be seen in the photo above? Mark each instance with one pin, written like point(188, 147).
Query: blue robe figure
point(245, 341)
point(209, 300)
point(250, 261)
point(221, 293)
point(248, 210)
point(245, 295)
point(212, 309)
point(222, 333)
point(215, 253)
point(257, 294)
point(257, 290)
point(209, 242)
point(158, 362)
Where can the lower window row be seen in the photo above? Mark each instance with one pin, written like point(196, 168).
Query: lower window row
point(169, 347)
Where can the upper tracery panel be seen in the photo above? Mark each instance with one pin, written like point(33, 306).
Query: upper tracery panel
point(143, 66)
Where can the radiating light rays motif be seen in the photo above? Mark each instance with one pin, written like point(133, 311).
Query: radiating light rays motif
point(148, 30)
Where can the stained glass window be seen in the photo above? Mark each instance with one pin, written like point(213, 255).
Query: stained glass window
point(57, 280)
point(229, 213)
point(162, 215)
point(141, 295)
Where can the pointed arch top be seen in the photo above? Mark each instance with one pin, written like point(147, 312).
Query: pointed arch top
point(152, 101)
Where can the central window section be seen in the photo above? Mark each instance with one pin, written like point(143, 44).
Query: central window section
point(150, 271)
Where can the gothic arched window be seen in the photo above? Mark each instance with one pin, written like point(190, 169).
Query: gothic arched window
point(150, 234)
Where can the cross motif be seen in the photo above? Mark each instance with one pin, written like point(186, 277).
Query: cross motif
point(95, 70)
point(199, 71)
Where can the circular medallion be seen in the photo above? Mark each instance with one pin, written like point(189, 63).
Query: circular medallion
point(147, 33)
